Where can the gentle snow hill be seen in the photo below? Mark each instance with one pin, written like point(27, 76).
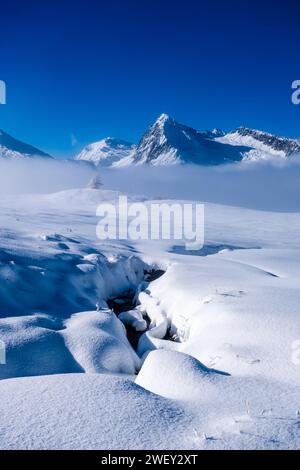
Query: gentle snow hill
point(168, 142)
point(106, 152)
point(264, 145)
point(13, 148)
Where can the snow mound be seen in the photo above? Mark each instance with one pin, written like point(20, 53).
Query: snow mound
point(153, 338)
point(98, 342)
point(87, 411)
point(34, 346)
point(93, 342)
point(133, 318)
point(176, 375)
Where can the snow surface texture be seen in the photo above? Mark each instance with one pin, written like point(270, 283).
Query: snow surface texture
point(217, 366)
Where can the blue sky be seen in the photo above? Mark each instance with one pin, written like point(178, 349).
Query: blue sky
point(79, 71)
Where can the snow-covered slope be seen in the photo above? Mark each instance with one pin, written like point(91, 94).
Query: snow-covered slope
point(13, 148)
point(264, 145)
point(106, 152)
point(229, 379)
point(168, 142)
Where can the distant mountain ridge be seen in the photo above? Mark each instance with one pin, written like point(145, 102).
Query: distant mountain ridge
point(106, 152)
point(11, 148)
point(263, 141)
point(167, 142)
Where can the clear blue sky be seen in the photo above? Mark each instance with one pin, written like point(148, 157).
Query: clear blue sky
point(79, 71)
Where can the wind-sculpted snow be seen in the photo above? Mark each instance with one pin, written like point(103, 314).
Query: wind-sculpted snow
point(98, 342)
point(58, 276)
point(162, 370)
point(35, 346)
point(87, 342)
point(159, 324)
point(61, 275)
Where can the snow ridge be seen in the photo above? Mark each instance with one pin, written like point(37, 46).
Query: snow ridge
point(263, 142)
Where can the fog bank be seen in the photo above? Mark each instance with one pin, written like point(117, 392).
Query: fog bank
point(42, 175)
point(259, 186)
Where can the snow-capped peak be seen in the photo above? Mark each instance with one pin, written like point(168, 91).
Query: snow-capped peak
point(161, 122)
point(168, 142)
point(11, 148)
point(106, 152)
point(217, 132)
point(163, 118)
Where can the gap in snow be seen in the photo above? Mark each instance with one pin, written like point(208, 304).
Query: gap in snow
point(127, 302)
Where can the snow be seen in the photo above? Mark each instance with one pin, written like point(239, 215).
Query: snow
point(163, 370)
point(98, 342)
point(168, 142)
point(215, 368)
point(15, 149)
point(87, 411)
point(133, 318)
point(106, 152)
point(265, 146)
point(159, 324)
point(34, 346)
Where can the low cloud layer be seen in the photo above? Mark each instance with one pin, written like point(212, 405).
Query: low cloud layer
point(259, 186)
point(42, 176)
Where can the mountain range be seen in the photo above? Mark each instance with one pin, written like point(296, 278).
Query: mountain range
point(168, 142)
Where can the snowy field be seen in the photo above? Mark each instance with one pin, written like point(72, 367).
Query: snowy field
point(216, 363)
